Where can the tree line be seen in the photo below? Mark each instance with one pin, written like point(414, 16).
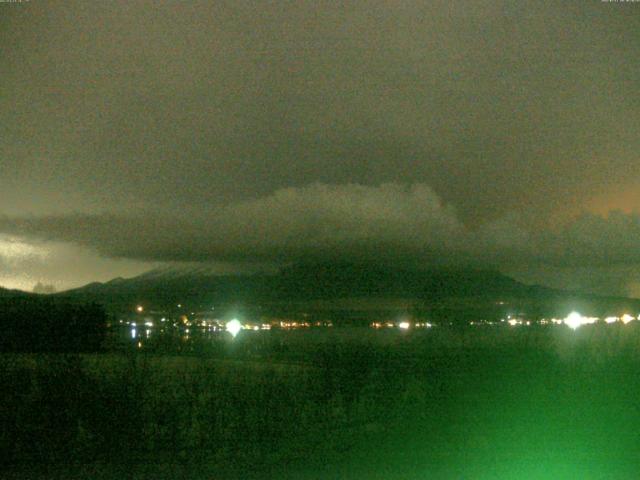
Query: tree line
point(41, 324)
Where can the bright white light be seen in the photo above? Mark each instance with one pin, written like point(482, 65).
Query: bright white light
point(234, 327)
point(611, 319)
point(139, 309)
point(404, 325)
point(133, 333)
point(573, 320)
point(148, 324)
point(626, 318)
point(513, 322)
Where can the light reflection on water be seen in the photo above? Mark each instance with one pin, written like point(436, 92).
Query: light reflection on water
point(258, 337)
point(132, 335)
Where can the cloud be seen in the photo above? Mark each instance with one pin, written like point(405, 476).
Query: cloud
point(28, 260)
point(497, 105)
point(14, 250)
point(599, 240)
point(389, 222)
point(317, 220)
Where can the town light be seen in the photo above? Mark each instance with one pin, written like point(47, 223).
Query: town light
point(573, 320)
point(234, 327)
point(626, 318)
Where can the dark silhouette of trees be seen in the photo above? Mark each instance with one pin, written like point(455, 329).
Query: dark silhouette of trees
point(37, 324)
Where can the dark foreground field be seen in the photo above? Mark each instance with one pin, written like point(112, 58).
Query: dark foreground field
point(482, 403)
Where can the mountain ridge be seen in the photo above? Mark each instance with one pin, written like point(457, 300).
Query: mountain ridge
point(448, 291)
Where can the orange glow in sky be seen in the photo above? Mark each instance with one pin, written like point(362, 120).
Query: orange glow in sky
point(625, 199)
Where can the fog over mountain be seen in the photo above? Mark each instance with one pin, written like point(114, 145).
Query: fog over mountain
point(396, 224)
point(497, 134)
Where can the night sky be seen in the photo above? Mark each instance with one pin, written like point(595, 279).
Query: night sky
point(248, 135)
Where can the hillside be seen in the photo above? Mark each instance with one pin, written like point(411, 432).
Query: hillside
point(441, 292)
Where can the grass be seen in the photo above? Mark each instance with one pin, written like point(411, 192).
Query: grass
point(478, 403)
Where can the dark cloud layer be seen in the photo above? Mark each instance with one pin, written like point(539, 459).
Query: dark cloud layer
point(322, 220)
point(271, 130)
point(386, 223)
point(497, 105)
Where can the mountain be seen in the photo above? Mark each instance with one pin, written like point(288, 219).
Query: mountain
point(6, 293)
point(346, 289)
